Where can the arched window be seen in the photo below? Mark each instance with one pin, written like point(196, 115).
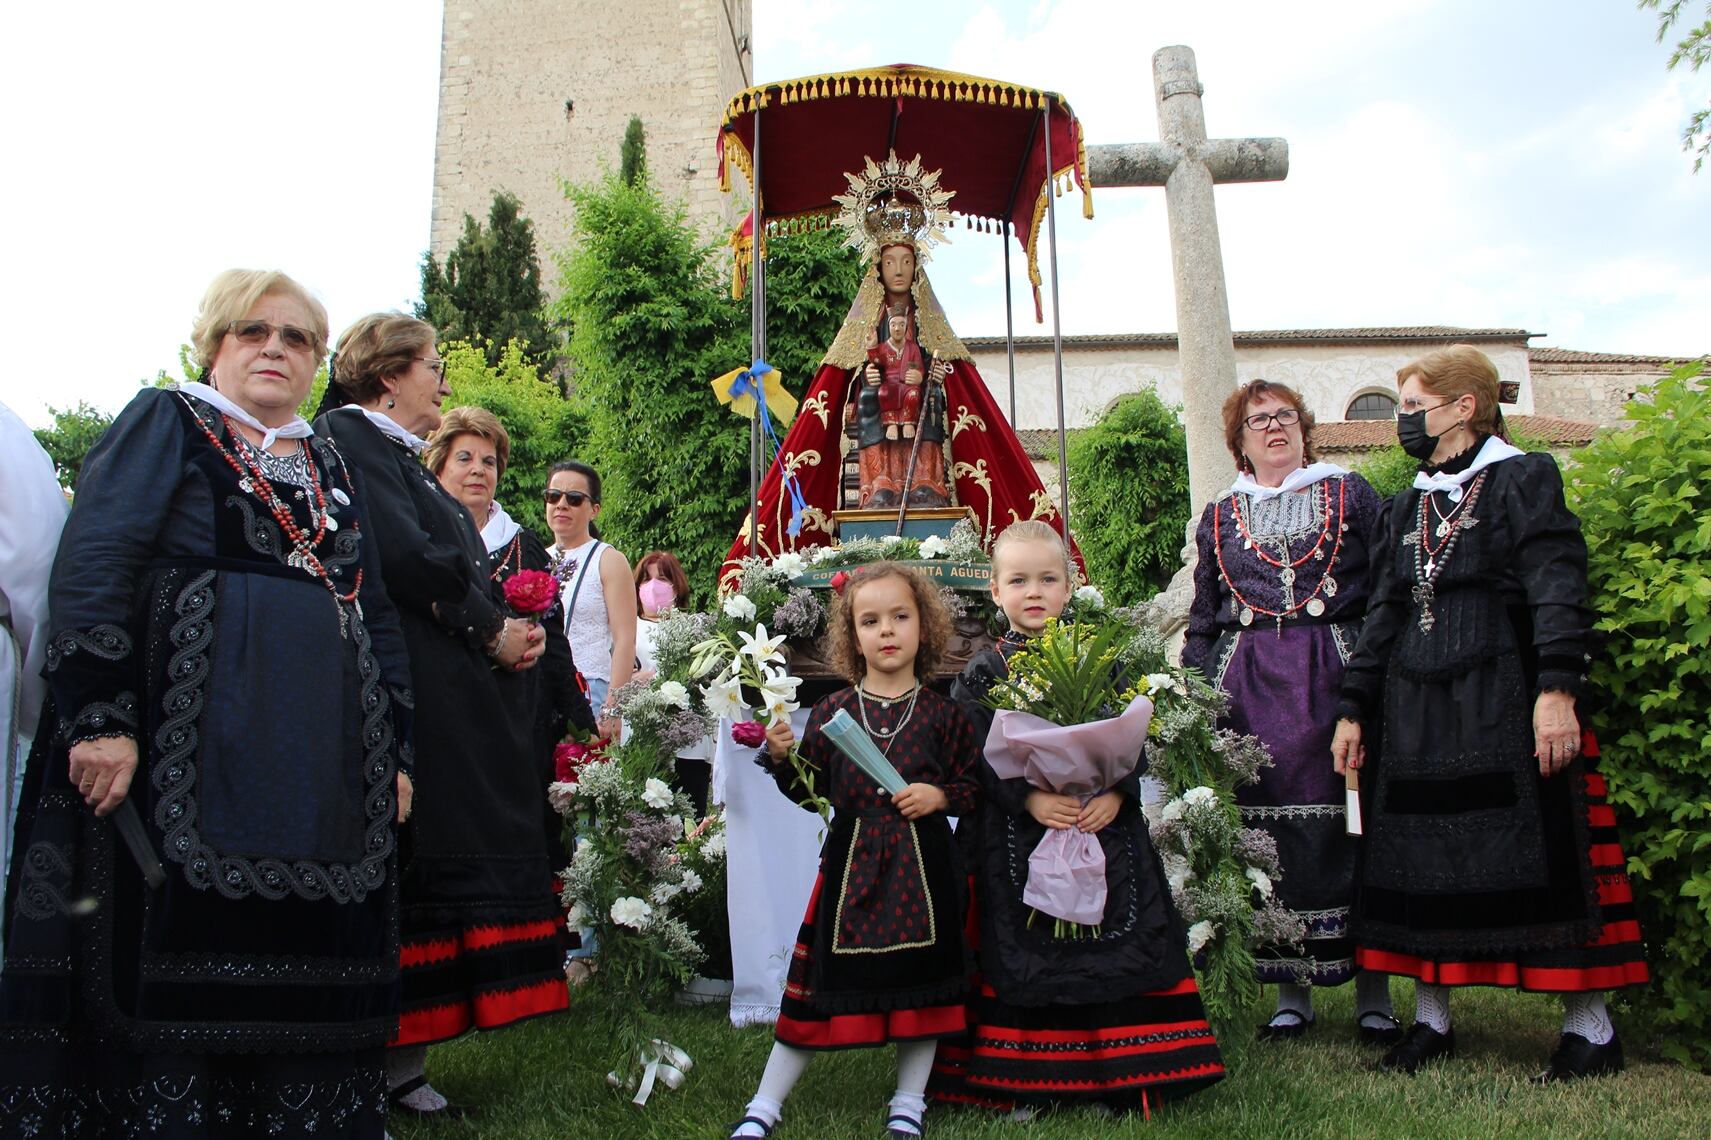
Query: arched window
point(1372, 406)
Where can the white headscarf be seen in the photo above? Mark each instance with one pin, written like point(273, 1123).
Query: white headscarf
point(297, 428)
point(499, 529)
point(1494, 451)
point(1296, 480)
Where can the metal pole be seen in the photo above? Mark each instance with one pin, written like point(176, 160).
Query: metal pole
point(757, 337)
point(1057, 327)
point(1009, 323)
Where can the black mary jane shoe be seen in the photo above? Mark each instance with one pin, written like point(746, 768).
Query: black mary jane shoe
point(1576, 1057)
point(765, 1128)
point(1418, 1046)
point(900, 1133)
point(1389, 1033)
point(395, 1103)
point(1275, 1030)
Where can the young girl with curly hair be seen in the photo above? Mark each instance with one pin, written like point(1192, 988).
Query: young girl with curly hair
point(880, 957)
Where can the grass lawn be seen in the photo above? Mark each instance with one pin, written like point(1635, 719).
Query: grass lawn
point(547, 1079)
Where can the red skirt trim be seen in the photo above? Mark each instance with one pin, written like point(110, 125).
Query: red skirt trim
point(482, 977)
point(1514, 975)
point(864, 1030)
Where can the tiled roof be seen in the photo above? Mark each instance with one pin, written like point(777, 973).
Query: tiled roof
point(1412, 333)
point(1542, 355)
point(1369, 435)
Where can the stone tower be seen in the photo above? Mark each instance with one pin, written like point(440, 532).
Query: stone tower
point(535, 91)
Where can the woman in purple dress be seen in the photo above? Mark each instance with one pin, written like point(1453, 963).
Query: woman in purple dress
point(1279, 593)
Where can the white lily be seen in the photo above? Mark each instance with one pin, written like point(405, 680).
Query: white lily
point(760, 646)
point(778, 692)
point(724, 698)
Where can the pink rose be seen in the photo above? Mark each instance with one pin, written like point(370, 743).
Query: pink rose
point(749, 733)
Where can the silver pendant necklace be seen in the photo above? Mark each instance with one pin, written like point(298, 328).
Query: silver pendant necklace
point(884, 736)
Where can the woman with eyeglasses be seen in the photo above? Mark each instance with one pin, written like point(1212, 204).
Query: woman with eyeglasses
point(483, 936)
point(599, 592)
point(1491, 857)
point(201, 922)
point(1280, 590)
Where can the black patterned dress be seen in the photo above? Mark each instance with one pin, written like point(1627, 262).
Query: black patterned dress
point(880, 956)
point(1477, 870)
point(1113, 1019)
point(252, 992)
point(484, 935)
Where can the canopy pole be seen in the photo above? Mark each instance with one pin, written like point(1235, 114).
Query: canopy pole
point(757, 337)
point(1057, 326)
point(1009, 323)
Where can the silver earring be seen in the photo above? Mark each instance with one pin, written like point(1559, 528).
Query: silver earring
point(391, 403)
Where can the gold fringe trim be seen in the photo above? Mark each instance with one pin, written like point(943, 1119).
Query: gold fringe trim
point(888, 83)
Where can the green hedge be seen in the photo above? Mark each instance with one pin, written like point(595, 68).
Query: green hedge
point(1642, 495)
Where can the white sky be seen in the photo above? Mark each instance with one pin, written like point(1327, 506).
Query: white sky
point(1452, 162)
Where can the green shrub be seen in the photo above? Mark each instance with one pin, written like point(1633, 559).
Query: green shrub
point(1128, 484)
point(1641, 494)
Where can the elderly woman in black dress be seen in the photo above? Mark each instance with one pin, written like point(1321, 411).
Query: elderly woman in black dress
point(483, 935)
point(1491, 856)
point(1279, 593)
point(229, 683)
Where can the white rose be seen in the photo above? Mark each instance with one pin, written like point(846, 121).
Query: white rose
point(889, 539)
point(1200, 795)
point(673, 693)
point(691, 881)
point(632, 912)
point(576, 917)
point(1261, 881)
point(1160, 682)
point(1090, 595)
point(1172, 811)
point(562, 796)
point(656, 794)
point(740, 607)
point(790, 564)
point(822, 554)
point(933, 546)
point(1198, 936)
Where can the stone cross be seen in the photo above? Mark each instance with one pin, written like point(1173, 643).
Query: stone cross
point(1187, 164)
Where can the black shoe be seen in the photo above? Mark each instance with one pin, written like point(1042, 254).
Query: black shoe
point(1419, 1045)
point(395, 1103)
point(1576, 1057)
point(902, 1134)
point(1387, 1034)
point(765, 1128)
point(1275, 1030)
point(883, 498)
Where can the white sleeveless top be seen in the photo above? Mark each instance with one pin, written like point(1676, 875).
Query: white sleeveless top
point(586, 626)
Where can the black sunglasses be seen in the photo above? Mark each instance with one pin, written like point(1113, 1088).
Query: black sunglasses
point(577, 498)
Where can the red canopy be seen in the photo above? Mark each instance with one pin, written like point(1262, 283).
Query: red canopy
point(986, 137)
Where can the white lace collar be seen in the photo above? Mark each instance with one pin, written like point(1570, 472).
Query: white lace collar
point(296, 428)
point(1494, 451)
point(1296, 480)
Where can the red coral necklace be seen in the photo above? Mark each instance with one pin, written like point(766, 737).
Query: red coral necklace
point(1327, 585)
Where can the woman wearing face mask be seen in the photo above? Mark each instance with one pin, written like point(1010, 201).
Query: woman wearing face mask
point(1280, 589)
point(1491, 857)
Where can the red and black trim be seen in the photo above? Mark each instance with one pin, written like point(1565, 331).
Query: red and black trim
point(1614, 957)
point(480, 977)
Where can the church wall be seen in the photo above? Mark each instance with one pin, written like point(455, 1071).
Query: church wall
point(1328, 376)
point(1595, 392)
point(535, 91)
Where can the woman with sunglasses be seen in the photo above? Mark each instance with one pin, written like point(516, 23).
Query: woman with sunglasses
point(1491, 857)
point(599, 592)
point(1280, 590)
point(202, 915)
point(483, 936)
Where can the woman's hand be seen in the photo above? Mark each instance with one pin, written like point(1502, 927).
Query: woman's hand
point(406, 797)
point(101, 771)
point(780, 739)
point(1052, 810)
point(1099, 812)
point(521, 644)
point(1347, 751)
point(918, 800)
point(1556, 732)
point(610, 725)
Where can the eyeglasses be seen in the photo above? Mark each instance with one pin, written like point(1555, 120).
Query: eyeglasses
point(1409, 406)
point(260, 332)
point(1285, 417)
point(434, 362)
point(575, 498)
